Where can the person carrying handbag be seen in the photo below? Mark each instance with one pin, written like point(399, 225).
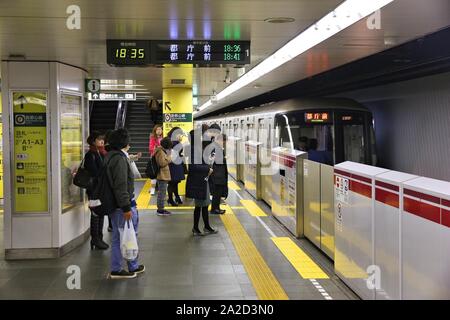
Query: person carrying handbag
point(93, 163)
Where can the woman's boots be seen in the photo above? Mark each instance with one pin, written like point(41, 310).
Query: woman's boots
point(97, 233)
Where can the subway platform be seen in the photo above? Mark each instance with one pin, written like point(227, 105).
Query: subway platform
point(252, 257)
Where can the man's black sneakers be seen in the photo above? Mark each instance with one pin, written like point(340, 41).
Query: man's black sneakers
point(140, 269)
point(122, 274)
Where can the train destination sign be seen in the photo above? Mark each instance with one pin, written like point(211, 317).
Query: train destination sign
point(317, 117)
point(157, 52)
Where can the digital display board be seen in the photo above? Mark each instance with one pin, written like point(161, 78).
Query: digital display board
point(128, 52)
point(158, 52)
point(200, 52)
point(317, 117)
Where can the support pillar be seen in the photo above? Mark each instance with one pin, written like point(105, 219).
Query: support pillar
point(44, 129)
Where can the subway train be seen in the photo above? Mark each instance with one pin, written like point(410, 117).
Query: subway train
point(284, 153)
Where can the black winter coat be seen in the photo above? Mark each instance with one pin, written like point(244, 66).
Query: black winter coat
point(196, 185)
point(93, 162)
point(177, 170)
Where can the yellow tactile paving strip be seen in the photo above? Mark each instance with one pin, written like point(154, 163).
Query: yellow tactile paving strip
point(252, 208)
point(143, 199)
point(263, 280)
point(153, 207)
point(304, 265)
point(233, 186)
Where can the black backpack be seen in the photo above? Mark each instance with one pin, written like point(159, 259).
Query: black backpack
point(104, 192)
point(152, 168)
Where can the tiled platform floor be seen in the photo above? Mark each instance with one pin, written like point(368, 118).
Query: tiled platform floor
point(179, 266)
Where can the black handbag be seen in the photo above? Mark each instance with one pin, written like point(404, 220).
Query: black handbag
point(83, 178)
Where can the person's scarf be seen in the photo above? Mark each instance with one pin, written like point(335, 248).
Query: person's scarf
point(102, 151)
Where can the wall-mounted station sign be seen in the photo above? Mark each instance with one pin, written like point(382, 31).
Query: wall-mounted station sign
point(102, 96)
point(197, 52)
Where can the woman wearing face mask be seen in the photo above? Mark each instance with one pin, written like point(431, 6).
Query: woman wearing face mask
point(93, 162)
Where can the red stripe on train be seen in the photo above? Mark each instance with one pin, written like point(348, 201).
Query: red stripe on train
point(421, 209)
point(387, 185)
point(386, 197)
point(361, 188)
point(422, 196)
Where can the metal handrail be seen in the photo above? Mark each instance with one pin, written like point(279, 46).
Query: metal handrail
point(124, 114)
point(118, 115)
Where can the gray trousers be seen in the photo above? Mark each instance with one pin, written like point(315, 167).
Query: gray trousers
point(162, 189)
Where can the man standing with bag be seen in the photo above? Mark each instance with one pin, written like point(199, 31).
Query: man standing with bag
point(121, 179)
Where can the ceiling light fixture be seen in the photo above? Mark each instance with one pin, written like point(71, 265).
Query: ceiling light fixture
point(346, 14)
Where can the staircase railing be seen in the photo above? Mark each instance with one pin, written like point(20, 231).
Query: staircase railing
point(121, 114)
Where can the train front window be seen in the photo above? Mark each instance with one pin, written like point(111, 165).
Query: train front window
point(354, 143)
point(315, 138)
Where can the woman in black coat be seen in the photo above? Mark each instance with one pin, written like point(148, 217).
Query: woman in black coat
point(219, 178)
point(176, 166)
point(93, 162)
point(197, 186)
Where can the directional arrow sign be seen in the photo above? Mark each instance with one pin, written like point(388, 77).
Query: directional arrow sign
point(22, 101)
point(167, 106)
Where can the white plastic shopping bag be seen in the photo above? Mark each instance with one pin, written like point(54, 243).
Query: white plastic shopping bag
point(134, 169)
point(128, 241)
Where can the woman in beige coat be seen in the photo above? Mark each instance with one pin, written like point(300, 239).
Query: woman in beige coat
point(163, 158)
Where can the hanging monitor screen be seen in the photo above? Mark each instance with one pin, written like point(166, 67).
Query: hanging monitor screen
point(200, 52)
point(128, 52)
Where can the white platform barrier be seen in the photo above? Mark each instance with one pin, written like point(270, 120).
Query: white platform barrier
point(392, 233)
point(354, 205)
point(388, 226)
point(426, 239)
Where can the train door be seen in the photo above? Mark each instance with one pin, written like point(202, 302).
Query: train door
point(353, 141)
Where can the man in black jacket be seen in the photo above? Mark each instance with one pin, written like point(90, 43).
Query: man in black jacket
point(122, 183)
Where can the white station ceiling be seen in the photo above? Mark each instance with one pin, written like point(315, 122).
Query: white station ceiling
point(37, 29)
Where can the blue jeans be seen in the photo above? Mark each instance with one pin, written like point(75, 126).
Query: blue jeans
point(162, 189)
point(118, 221)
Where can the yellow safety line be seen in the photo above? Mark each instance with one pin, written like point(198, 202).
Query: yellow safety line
point(233, 186)
point(143, 199)
point(263, 280)
point(141, 179)
point(252, 208)
point(154, 207)
point(304, 265)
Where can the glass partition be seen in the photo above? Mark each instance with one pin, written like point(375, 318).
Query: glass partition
point(71, 148)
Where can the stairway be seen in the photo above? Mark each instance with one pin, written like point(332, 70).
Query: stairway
point(103, 116)
point(139, 125)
